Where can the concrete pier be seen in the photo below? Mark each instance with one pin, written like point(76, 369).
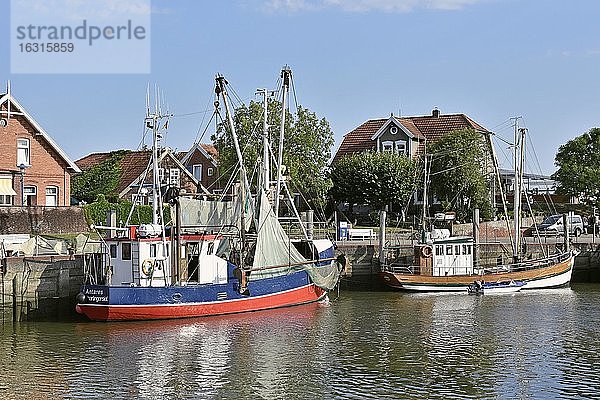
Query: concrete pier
point(39, 287)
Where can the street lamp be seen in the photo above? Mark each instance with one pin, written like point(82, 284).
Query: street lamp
point(22, 170)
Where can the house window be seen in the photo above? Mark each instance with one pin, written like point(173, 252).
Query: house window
point(23, 152)
point(401, 147)
point(138, 199)
point(6, 191)
point(30, 196)
point(113, 251)
point(197, 171)
point(51, 196)
point(6, 200)
point(161, 175)
point(174, 177)
point(387, 147)
point(126, 251)
point(211, 171)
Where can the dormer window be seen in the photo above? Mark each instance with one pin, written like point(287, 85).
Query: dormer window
point(388, 147)
point(401, 147)
point(23, 155)
point(396, 146)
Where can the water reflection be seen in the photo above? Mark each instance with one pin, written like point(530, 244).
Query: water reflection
point(536, 344)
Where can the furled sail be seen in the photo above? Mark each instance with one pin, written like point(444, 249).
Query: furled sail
point(275, 254)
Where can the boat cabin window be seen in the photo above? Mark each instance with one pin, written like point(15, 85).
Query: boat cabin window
point(153, 250)
point(449, 250)
point(457, 249)
point(211, 248)
point(126, 251)
point(439, 250)
point(113, 251)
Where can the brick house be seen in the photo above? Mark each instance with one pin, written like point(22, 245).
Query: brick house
point(34, 170)
point(136, 171)
point(405, 135)
point(201, 161)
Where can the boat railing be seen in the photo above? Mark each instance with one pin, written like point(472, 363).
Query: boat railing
point(524, 265)
point(294, 229)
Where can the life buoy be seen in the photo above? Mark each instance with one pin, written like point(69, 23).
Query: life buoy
point(148, 267)
point(426, 251)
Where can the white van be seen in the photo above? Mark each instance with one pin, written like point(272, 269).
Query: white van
point(553, 225)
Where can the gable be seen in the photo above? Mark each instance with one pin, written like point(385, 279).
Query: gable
point(10, 108)
point(200, 154)
point(392, 129)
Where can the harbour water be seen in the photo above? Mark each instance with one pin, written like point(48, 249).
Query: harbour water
point(530, 345)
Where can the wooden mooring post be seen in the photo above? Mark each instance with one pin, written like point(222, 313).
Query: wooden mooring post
point(16, 315)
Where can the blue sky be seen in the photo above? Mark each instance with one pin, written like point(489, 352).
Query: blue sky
point(352, 61)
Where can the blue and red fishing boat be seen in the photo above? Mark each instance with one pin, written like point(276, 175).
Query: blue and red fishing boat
point(219, 256)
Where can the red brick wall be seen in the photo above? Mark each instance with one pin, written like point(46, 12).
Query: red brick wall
point(47, 167)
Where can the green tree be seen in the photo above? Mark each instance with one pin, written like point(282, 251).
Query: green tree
point(457, 176)
point(100, 179)
point(578, 163)
point(307, 146)
point(374, 179)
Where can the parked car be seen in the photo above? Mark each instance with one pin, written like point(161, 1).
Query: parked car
point(553, 225)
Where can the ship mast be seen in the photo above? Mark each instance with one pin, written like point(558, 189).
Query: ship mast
point(266, 159)
point(519, 160)
point(245, 187)
point(286, 74)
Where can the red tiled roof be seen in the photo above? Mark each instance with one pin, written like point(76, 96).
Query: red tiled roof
point(359, 139)
point(133, 164)
point(210, 149)
point(429, 127)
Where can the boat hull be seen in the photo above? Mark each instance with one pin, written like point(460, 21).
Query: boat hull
point(118, 303)
point(555, 275)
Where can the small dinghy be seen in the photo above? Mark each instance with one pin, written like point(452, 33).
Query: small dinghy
point(500, 287)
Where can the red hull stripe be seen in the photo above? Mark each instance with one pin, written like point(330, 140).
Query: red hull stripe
point(107, 312)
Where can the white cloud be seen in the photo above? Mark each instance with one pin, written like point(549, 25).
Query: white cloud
point(391, 6)
point(76, 10)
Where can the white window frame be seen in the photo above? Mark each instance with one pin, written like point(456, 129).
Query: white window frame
point(161, 175)
point(23, 152)
point(27, 192)
point(6, 200)
point(210, 171)
point(387, 146)
point(174, 177)
point(55, 195)
point(197, 167)
point(401, 147)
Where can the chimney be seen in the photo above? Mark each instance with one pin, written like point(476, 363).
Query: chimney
point(435, 113)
